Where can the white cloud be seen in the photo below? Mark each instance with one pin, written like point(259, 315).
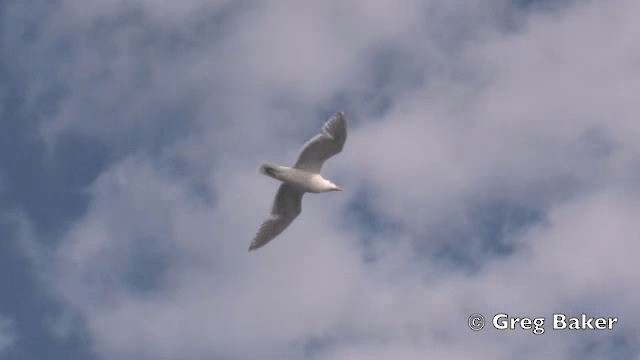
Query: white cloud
point(543, 117)
point(7, 334)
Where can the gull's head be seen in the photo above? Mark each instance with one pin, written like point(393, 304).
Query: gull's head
point(329, 186)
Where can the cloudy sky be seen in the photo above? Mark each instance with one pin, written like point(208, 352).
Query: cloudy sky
point(492, 166)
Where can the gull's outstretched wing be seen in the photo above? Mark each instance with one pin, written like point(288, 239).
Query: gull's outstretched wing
point(286, 207)
point(324, 145)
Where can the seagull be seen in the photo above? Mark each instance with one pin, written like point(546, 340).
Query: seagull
point(303, 177)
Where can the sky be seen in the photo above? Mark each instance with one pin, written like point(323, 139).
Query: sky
point(492, 166)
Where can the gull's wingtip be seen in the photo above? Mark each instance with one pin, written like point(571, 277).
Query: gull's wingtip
point(254, 245)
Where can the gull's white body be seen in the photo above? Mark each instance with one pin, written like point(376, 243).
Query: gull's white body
point(300, 179)
point(303, 177)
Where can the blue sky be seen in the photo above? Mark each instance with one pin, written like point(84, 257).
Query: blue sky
point(491, 166)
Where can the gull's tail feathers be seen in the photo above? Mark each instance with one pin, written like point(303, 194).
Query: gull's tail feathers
point(267, 168)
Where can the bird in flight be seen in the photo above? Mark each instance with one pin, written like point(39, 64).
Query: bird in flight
point(303, 177)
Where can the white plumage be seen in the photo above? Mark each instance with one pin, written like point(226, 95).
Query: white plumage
point(303, 177)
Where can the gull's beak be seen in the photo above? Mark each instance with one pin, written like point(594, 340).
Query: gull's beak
point(339, 189)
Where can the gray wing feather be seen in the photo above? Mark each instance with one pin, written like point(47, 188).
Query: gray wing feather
point(286, 207)
point(324, 145)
